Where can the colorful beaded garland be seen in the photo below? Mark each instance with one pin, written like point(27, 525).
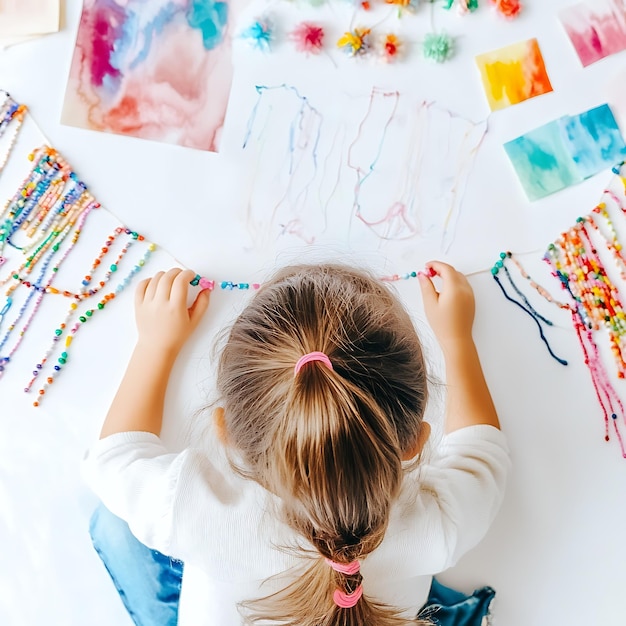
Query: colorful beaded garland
point(227, 285)
point(41, 226)
point(87, 315)
point(608, 399)
point(577, 260)
point(40, 287)
point(11, 117)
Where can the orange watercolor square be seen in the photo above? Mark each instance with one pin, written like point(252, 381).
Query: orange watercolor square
point(513, 74)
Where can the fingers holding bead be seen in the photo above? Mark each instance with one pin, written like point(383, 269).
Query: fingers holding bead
point(199, 307)
point(449, 306)
point(180, 285)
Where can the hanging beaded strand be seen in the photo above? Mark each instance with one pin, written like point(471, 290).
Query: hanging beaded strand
point(610, 403)
point(609, 400)
point(43, 194)
point(523, 302)
point(41, 225)
point(86, 317)
point(85, 290)
point(575, 259)
point(48, 167)
point(40, 287)
point(12, 117)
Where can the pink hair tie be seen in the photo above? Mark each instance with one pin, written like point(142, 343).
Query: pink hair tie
point(347, 569)
point(312, 356)
point(342, 599)
point(347, 600)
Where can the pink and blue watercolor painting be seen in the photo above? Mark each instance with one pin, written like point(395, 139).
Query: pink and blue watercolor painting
point(155, 69)
point(566, 152)
point(596, 28)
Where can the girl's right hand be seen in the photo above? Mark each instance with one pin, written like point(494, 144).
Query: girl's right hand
point(163, 320)
point(450, 311)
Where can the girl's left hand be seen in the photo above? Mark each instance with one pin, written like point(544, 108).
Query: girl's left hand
point(163, 320)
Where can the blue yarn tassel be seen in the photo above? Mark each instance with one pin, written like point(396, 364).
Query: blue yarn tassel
point(529, 311)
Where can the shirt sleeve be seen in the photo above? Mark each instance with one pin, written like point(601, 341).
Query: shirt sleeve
point(138, 480)
point(466, 480)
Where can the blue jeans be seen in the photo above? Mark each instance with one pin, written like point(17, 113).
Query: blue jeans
point(149, 582)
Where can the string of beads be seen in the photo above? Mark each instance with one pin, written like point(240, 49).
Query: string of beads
point(11, 119)
point(227, 285)
point(594, 301)
point(40, 227)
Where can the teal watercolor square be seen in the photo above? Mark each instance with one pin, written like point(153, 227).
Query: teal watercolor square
point(542, 161)
point(594, 140)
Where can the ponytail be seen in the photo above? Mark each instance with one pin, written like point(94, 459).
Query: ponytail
point(328, 436)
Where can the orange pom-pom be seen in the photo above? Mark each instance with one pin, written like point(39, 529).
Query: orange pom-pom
point(391, 47)
point(508, 8)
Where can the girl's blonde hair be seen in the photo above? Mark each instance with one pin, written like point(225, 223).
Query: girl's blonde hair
point(328, 443)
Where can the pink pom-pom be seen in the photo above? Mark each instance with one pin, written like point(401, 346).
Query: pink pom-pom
point(508, 8)
point(308, 38)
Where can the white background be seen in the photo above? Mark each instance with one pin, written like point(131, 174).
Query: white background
point(556, 552)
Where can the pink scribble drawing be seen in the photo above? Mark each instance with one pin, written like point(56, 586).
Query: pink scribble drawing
point(159, 70)
point(412, 163)
point(367, 170)
point(596, 28)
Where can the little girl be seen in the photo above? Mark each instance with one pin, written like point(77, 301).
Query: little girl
point(311, 508)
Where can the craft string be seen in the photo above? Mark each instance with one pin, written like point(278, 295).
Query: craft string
point(40, 287)
point(525, 306)
point(12, 116)
point(576, 261)
point(83, 319)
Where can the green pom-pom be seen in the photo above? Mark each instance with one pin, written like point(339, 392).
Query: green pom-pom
point(438, 47)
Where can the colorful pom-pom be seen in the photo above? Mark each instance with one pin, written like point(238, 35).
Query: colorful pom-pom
point(508, 8)
point(391, 47)
point(308, 38)
point(464, 6)
point(259, 34)
point(438, 47)
point(355, 42)
point(408, 5)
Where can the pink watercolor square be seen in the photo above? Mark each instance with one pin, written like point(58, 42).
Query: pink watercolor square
point(596, 28)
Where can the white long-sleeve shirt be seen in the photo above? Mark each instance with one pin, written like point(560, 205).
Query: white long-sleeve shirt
point(192, 506)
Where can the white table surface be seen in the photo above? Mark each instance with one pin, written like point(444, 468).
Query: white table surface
point(556, 551)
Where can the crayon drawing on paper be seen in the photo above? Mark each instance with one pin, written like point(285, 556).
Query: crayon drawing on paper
point(513, 74)
point(157, 70)
point(566, 151)
point(596, 28)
